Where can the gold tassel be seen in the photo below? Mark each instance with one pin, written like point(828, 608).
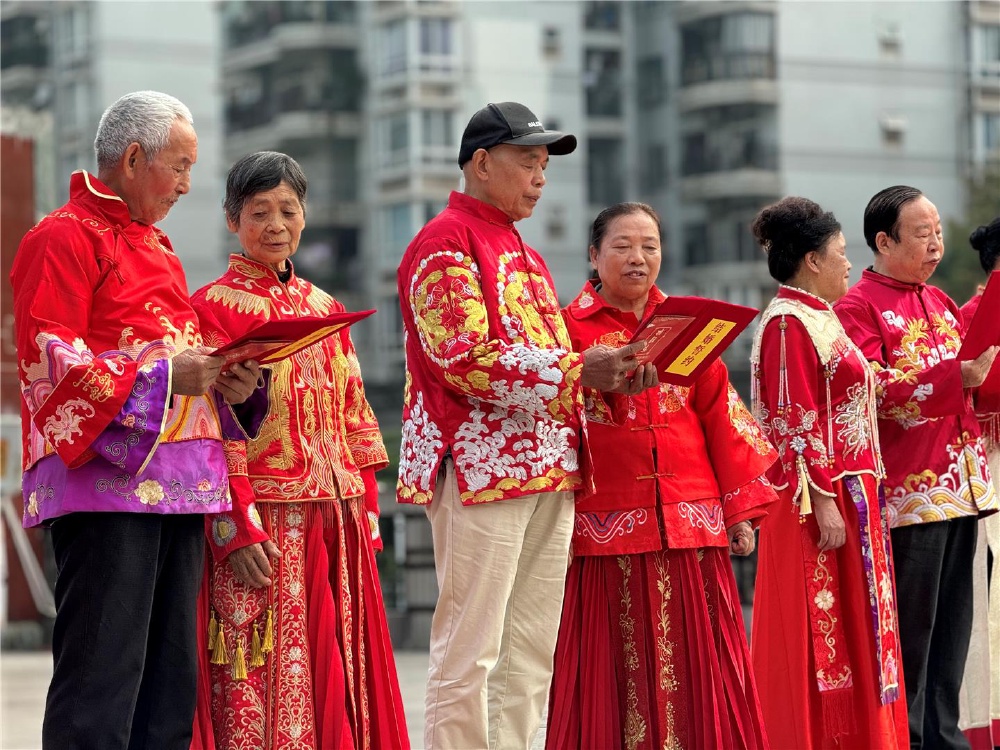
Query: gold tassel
point(219, 653)
point(805, 501)
point(213, 631)
point(256, 655)
point(268, 645)
point(239, 663)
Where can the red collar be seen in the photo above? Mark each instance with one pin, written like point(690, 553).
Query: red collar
point(869, 274)
point(589, 302)
point(479, 209)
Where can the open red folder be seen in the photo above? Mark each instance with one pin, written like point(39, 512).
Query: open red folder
point(277, 339)
point(983, 332)
point(684, 335)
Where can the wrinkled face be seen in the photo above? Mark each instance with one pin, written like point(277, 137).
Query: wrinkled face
point(160, 182)
point(515, 178)
point(915, 256)
point(628, 260)
point(834, 269)
point(270, 226)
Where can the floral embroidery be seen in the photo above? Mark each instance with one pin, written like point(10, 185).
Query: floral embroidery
point(65, 423)
point(33, 504)
point(823, 600)
point(223, 530)
point(254, 517)
point(852, 417)
point(150, 492)
point(746, 426)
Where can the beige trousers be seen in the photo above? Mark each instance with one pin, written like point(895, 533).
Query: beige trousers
point(501, 572)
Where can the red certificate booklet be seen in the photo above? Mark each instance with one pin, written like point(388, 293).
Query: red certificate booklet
point(983, 332)
point(684, 335)
point(277, 339)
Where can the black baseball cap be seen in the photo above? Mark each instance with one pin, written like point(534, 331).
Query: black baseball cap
point(513, 123)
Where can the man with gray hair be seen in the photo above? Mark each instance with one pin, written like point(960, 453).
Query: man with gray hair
point(123, 419)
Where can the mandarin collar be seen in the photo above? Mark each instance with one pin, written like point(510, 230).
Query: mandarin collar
point(479, 209)
point(238, 259)
point(872, 275)
point(589, 302)
point(86, 189)
point(809, 299)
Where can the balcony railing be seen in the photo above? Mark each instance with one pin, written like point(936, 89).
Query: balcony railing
point(750, 155)
point(735, 66)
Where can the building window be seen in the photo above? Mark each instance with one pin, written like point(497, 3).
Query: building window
point(987, 51)
point(398, 230)
point(551, 43)
point(988, 127)
point(605, 179)
point(437, 51)
point(652, 83)
point(654, 167)
point(395, 139)
point(393, 48)
point(734, 46)
point(732, 138)
point(437, 128)
point(602, 16)
point(602, 79)
point(696, 252)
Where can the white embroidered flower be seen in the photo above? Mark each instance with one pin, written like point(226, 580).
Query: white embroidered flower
point(798, 444)
point(295, 653)
point(823, 599)
point(33, 504)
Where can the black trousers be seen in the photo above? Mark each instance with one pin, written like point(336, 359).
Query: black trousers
point(934, 586)
point(125, 641)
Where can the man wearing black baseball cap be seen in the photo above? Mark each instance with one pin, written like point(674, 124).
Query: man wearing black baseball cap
point(513, 123)
point(493, 424)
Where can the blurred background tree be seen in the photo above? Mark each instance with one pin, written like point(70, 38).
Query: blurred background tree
point(960, 272)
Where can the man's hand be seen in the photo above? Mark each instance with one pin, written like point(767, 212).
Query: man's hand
point(974, 371)
point(239, 381)
point(832, 532)
point(252, 564)
point(741, 538)
point(645, 376)
point(606, 368)
point(193, 371)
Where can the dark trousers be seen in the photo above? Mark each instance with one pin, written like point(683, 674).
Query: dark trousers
point(124, 642)
point(934, 586)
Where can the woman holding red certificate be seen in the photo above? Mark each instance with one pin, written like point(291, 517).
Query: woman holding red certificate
point(980, 697)
point(652, 647)
point(296, 646)
point(825, 637)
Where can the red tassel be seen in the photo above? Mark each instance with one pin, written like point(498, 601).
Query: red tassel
point(838, 712)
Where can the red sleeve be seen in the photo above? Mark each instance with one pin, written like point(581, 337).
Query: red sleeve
point(737, 447)
point(241, 526)
point(790, 392)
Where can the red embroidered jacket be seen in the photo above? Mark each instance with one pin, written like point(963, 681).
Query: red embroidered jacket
point(490, 374)
point(934, 458)
point(101, 306)
point(320, 440)
point(687, 460)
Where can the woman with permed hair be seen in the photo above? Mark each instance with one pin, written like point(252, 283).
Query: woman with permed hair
point(980, 696)
point(825, 639)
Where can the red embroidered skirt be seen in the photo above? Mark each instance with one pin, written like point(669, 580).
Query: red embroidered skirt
point(330, 679)
point(652, 653)
point(783, 638)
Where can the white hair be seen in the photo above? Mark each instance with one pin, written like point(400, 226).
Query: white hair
point(143, 117)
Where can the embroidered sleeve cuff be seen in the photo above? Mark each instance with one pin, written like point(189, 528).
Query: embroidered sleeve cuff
point(748, 503)
point(132, 437)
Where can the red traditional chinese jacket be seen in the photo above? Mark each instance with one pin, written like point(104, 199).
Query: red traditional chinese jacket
point(819, 411)
point(688, 461)
point(320, 440)
point(490, 375)
point(934, 457)
point(101, 306)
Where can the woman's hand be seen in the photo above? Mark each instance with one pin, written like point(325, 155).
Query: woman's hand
point(741, 538)
point(832, 532)
point(251, 564)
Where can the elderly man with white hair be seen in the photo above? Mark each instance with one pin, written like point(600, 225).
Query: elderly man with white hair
point(125, 414)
